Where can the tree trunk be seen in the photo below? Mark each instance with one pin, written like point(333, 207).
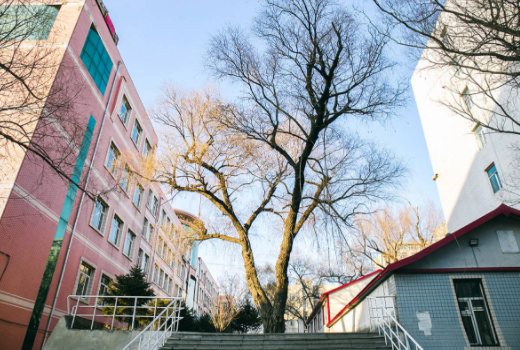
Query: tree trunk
point(273, 318)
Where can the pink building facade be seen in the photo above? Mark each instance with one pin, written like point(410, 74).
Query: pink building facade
point(123, 220)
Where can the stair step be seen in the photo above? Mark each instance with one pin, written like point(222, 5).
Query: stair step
point(287, 341)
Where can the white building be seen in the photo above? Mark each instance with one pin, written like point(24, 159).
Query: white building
point(471, 166)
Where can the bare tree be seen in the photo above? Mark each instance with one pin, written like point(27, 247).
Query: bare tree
point(391, 235)
point(478, 41)
point(38, 92)
point(284, 152)
point(226, 305)
point(309, 278)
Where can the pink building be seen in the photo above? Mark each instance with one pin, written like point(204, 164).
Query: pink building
point(123, 220)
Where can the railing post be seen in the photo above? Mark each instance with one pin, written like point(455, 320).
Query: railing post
point(133, 315)
point(75, 312)
point(94, 314)
point(114, 315)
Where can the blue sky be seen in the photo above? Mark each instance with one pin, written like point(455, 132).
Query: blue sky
point(165, 41)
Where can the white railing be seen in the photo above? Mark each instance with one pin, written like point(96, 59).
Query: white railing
point(118, 311)
point(159, 330)
point(383, 316)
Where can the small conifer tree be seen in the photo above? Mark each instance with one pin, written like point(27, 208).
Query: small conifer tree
point(132, 284)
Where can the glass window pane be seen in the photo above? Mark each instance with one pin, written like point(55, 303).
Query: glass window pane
point(97, 63)
point(484, 328)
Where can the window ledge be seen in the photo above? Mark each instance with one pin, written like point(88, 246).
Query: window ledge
point(114, 245)
point(97, 230)
point(114, 176)
point(126, 256)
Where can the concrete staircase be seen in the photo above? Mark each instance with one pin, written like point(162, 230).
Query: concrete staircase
point(291, 341)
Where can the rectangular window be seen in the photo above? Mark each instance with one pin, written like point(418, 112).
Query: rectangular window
point(139, 257)
point(480, 136)
point(149, 199)
point(494, 178)
point(136, 132)
point(104, 283)
point(115, 230)
point(26, 22)
point(129, 244)
point(466, 96)
point(445, 37)
point(474, 311)
point(161, 278)
point(138, 195)
point(155, 205)
point(147, 149)
point(155, 273)
point(163, 217)
point(126, 178)
point(100, 213)
point(159, 245)
point(149, 233)
point(96, 60)
point(85, 274)
point(145, 228)
point(113, 157)
point(144, 263)
point(125, 111)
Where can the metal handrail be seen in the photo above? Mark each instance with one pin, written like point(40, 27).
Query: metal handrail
point(120, 310)
point(153, 336)
point(389, 326)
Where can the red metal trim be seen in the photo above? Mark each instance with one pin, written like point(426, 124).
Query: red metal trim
point(326, 294)
point(500, 210)
point(351, 282)
point(328, 309)
point(460, 269)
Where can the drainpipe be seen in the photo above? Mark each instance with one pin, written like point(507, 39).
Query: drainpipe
point(62, 273)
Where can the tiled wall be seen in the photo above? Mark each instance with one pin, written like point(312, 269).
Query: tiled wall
point(434, 293)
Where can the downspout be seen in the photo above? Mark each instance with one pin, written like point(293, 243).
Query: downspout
point(76, 218)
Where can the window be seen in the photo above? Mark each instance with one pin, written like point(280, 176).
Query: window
point(126, 179)
point(85, 274)
point(467, 98)
point(147, 149)
point(138, 195)
point(113, 157)
point(129, 244)
point(100, 213)
point(163, 217)
point(155, 205)
point(170, 286)
point(139, 257)
point(149, 233)
point(115, 230)
point(125, 111)
point(160, 281)
point(454, 62)
point(149, 199)
point(136, 132)
point(179, 268)
point(480, 136)
point(27, 22)
point(104, 283)
point(144, 263)
point(96, 60)
point(145, 228)
point(474, 311)
point(155, 273)
point(494, 178)
point(446, 40)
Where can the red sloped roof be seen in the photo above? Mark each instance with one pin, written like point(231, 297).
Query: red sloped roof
point(500, 210)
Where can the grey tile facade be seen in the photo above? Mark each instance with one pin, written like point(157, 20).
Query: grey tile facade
point(434, 292)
